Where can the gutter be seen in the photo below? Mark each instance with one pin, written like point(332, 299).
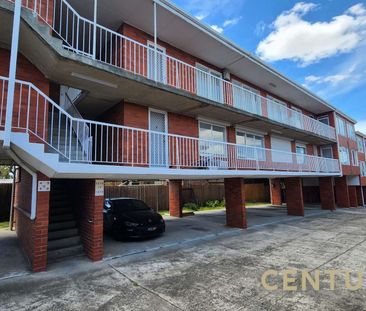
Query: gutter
point(33, 213)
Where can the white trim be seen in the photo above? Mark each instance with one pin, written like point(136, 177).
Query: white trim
point(282, 137)
point(322, 118)
point(210, 70)
point(212, 121)
point(250, 130)
point(324, 148)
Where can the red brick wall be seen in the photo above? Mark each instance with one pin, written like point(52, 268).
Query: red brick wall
point(311, 194)
point(294, 196)
point(235, 203)
point(26, 72)
point(44, 9)
point(175, 198)
point(275, 186)
point(341, 192)
point(32, 234)
point(89, 214)
point(353, 196)
point(327, 197)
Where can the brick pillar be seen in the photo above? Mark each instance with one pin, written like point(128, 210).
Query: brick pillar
point(235, 203)
point(32, 234)
point(359, 196)
point(294, 196)
point(352, 196)
point(175, 198)
point(89, 210)
point(326, 189)
point(341, 192)
point(276, 192)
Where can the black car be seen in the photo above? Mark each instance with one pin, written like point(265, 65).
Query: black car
point(131, 218)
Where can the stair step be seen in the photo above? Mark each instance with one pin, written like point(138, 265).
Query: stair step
point(62, 234)
point(61, 225)
point(55, 203)
point(61, 218)
point(60, 210)
point(63, 243)
point(59, 254)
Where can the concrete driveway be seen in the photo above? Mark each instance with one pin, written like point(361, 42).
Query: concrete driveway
point(219, 274)
point(203, 226)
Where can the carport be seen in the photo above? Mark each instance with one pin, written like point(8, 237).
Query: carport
point(202, 226)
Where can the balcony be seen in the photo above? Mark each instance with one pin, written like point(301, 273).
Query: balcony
point(87, 142)
point(94, 41)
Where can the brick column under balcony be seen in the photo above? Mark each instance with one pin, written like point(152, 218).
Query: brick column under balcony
point(89, 210)
point(276, 192)
point(235, 203)
point(32, 234)
point(294, 196)
point(341, 192)
point(327, 197)
point(359, 196)
point(175, 198)
point(353, 196)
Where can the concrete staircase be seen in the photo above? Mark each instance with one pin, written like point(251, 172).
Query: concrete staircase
point(63, 235)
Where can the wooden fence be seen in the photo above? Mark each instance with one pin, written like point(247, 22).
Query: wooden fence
point(156, 196)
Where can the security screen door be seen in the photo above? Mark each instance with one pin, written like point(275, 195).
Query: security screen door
point(158, 139)
point(161, 64)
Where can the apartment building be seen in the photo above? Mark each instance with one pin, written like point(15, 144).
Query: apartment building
point(138, 89)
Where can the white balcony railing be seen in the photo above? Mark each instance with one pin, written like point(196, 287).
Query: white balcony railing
point(47, 123)
point(82, 36)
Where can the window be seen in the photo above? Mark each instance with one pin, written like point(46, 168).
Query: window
point(301, 152)
point(341, 126)
point(246, 98)
point(252, 146)
point(351, 131)
point(326, 152)
point(354, 154)
point(161, 63)
point(344, 155)
point(360, 144)
point(324, 120)
point(277, 110)
point(209, 83)
point(363, 168)
point(212, 139)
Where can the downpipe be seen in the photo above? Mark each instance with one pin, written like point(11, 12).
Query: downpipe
point(13, 155)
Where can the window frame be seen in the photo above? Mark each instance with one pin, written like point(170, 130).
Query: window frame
point(212, 124)
point(261, 155)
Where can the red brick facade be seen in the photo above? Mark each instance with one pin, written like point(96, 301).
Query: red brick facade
point(32, 234)
point(294, 196)
point(175, 198)
point(327, 197)
point(341, 192)
point(276, 191)
point(89, 213)
point(235, 203)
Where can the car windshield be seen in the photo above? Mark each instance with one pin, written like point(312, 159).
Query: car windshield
point(129, 205)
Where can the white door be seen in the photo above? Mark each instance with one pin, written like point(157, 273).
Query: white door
point(281, 145)
point(158, 139)
point(161, 64)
